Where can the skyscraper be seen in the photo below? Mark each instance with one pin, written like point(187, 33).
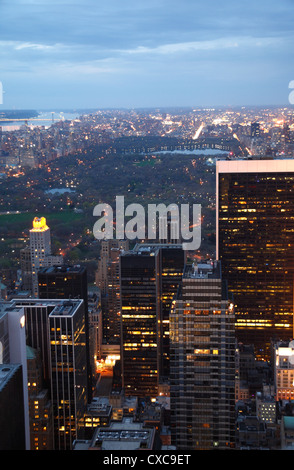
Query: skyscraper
point(107, 279)
point(56, 328)
point(40, 406)
point(40, 250)
point(255, 129)
point(254, 230)
point(40, 247)
point(202, 361)
point(67, 282)
point(36, 313)
point(139, 323)
point(149, 275)
point(171, 261)
point(69, 378)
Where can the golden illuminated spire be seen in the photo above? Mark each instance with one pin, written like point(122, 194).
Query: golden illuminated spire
point(39, 224)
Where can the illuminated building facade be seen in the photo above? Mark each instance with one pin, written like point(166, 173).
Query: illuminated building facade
point(40, 407)
point(139, 324)
point(40, 249)
point(36, 314)
point(56, 328)
point(68, 358)
point(255, 244)
point(170, 271)
point(202, 362)
point(67, 282)
point(284, 370)
point(149, 276)
point(12, 425)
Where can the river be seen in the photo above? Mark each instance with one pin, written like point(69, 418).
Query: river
point(45, 118)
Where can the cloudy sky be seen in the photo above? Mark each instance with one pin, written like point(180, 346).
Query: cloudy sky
point(145, 53)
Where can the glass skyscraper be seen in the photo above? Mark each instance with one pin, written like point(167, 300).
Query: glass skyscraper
point(255, 244)
point(150, 276)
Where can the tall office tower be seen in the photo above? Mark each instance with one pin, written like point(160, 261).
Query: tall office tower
point(57, 329)
point(12, 424)
point(36, 313)
point(149, 277)
point(40, 407)
point(13, 351)
point(202, 362)
point(67, 282)
point(68, 359)
point(139, 323)
point(254, 232)
point(170, 271)
point(111, 325)
point(63, 282)
point(40, 248)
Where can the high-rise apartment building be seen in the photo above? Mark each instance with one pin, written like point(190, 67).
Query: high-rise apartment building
point(255, 241)
point(36, 313)
point(40, 248)
point(171, 261)
point(202, 362)
point(26, 269)
point(149, 277)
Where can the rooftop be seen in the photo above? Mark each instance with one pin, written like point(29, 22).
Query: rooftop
point(150, 248)
point(6, 371)
point(60, 307)
point(125, 435)
point(204, 270)
point(62, 269)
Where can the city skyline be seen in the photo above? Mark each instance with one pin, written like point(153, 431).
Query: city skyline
point(73, 54)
